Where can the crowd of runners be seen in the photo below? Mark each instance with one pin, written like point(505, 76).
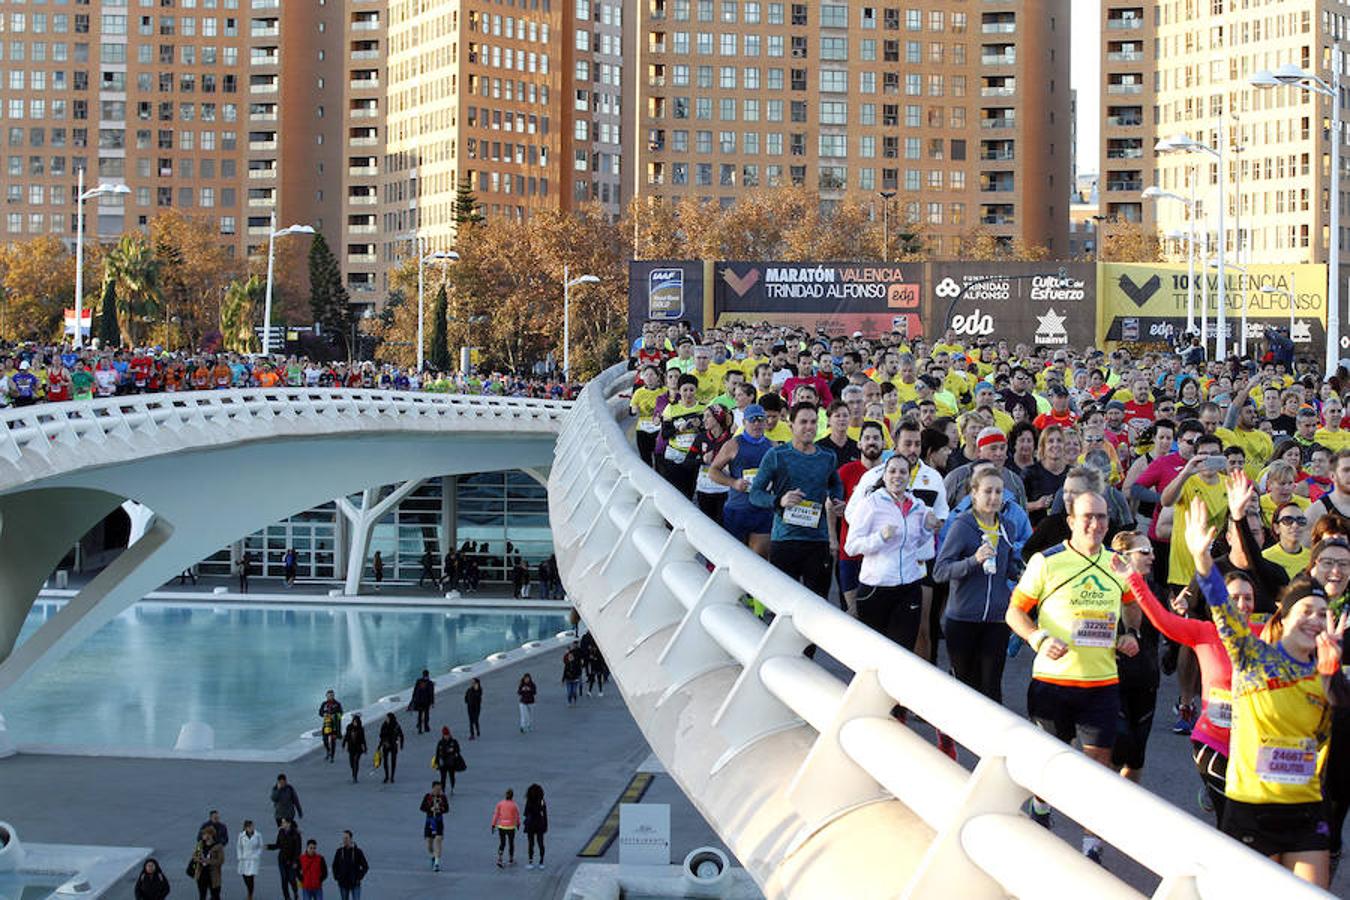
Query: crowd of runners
point(1121, 516)
point(32, 374)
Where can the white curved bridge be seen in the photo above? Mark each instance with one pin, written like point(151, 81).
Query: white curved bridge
point(818, 791)
point(211, 467)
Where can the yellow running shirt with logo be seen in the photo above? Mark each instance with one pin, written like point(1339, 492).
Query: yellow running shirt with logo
point(1080, 600)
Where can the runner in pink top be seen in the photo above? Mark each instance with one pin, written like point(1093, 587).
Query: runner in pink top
point(1209, 737)
point(505, 821)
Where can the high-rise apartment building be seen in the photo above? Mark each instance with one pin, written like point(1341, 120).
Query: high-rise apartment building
point(1127, 116)
point(1277, 139)
point(961, 109)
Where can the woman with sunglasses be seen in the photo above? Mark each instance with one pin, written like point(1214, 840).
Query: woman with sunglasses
point(1284, 685)
point(1329, 565)
point(1289, 551)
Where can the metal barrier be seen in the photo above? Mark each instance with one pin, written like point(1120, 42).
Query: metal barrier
point(622, 531)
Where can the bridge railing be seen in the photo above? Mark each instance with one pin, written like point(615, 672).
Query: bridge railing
point(636, 528)
point(35, 428)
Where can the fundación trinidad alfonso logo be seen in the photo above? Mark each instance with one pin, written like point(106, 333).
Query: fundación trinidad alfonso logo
point(947, 288)
point(740, 283)
point(1139, 293)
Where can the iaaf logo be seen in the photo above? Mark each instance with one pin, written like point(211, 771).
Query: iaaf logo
point(976, 324)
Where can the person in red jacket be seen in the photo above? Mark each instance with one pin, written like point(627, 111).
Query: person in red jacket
point(313, 872)
point(505, 821)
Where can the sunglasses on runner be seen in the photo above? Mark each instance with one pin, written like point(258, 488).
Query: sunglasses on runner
point(1297, 520)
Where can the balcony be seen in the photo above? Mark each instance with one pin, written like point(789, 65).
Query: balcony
point(998, 90)
point(1125, 56)
point(262, 145)
point(1002, 155)
point(1124, 88)
point(263, 116)
point(1002, 122)
point(365, 84)
point(1008, 58)
point(363, 142)
point(1000, 219)
point(269, 31)
point(998, 27)
point(364, 112)
point(1125, 24)
point(363, 199)
point(263, 59)
point(1125, 185)
point(268, 87)
point(262, 173)
point(363, 170)
point(366, 25)
point(358, 258)
point(262, 201)
point(259, 230)
point(1124, 121)
point(365, 54)
point(997, 185)
point(363, 229)
point(1125, 153)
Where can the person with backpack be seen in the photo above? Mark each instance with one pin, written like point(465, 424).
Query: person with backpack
point(448, 759)
point(349, 868)
point(423, 698)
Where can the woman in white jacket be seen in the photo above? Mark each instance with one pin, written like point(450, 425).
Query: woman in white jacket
point(248, 850)
point(892, 530)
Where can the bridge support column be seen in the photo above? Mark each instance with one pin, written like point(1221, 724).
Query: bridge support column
point(361, 523)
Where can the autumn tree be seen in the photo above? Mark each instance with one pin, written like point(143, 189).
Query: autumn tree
point(1128, 242)
point(195, 267)
point(238, 311)
point(38, 282)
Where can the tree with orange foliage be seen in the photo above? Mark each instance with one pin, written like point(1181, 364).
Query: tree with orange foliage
point(38, 282)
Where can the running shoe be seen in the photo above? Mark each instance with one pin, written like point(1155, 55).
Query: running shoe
point(1094, 853)
point(1040, 814)
point(1185, 718)
point(1206, 801)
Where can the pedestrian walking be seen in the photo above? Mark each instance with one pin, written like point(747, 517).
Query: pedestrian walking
point(288, 566)
point(377, 564)
point(313, 872)
point(355, 742)
point(287, 846)
point(423, 698)
point(213, 822)
point(526, 691)
point(391, 742)
point(448, 759)
point(427, 576)
point(247, 854)
point(505, 821)
point(285, 801)
point(207, 859)
point(536, 823)
point(245, 567)
point(435, 804)
point(151, 883)
point(349, 868)
point(571, 675)
point(473, 700)
point(330, 714)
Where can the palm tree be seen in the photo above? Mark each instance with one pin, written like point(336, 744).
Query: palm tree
point(237, 312)
point(132, 266)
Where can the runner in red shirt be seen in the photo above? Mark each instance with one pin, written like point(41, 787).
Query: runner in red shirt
point(871, 443)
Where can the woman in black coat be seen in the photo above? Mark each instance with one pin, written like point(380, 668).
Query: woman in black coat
point(355, 742)
point(535, 822)
point(152, 885)
point(473, 699)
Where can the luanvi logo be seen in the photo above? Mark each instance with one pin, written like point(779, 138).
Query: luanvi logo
point(1140, 294)
point(740, 283)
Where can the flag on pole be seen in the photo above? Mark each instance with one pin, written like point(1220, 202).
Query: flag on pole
point(86, 321)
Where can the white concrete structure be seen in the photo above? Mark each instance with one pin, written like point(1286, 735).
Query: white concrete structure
point(211, 467)
point(807, 778)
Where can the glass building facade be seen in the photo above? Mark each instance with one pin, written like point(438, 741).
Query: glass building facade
point(487, 508)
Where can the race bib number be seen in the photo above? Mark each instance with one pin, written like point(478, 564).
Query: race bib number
point(1219, 708)
point(649, 425)
point(1287, 761)
point(749, 474)
point(682, 442)
point(1094, 628)
point(804, 515)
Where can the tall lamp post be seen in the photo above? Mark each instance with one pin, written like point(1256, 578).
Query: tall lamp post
point(272, 235)
point(1184, 143)
point(886, 224)
point(82, 195)
point(422, 258)
point(1154, 192)
point(1290, 75)
point(568, 284)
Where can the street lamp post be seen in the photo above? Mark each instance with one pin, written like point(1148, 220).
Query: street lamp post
point(82, 195)
point(567, 317)
point(1184, 143)
point(272, 235)
point(1290, 75)
point(886, 224)
point(1154, 192)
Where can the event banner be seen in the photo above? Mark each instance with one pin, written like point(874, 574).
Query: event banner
point(829, 297)
point(1047, 304)
point(1147, 303)
point(665, 291)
